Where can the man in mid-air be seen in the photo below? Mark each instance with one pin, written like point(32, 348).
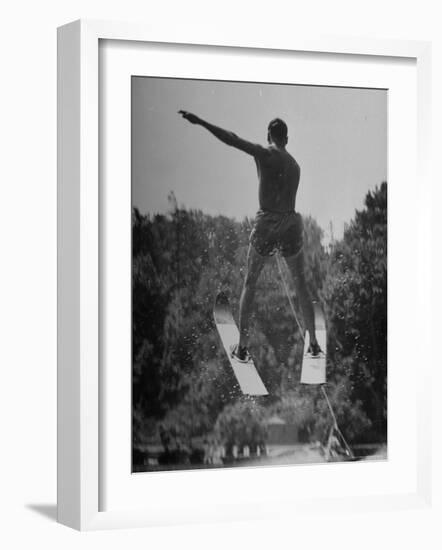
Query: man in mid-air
point(278, 227)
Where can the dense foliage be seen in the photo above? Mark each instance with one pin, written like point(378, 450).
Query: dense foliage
point(181, 380)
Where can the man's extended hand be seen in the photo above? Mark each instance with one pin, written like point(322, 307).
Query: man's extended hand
point(193, 119)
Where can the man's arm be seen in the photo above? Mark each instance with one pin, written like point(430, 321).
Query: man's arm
point(229, 138)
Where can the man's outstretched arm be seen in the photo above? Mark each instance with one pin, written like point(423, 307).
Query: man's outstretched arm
point(229, 138)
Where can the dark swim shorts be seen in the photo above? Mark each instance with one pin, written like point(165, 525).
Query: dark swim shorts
point(282, 231)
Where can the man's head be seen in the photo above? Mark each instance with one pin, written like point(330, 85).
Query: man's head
point(277, 132)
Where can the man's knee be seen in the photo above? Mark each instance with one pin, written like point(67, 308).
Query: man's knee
point(296, 267)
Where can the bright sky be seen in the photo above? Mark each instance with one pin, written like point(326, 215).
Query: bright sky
point(337, 135)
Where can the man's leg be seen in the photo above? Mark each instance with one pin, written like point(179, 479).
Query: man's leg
point(296, 267)
point(255, 263)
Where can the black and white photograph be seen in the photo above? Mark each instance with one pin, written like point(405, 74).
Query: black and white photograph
point(259, 274)
point(221, 264)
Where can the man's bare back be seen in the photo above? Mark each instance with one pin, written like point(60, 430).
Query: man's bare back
point(278, 174)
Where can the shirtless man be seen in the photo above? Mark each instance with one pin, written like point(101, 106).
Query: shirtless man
point(277, 225)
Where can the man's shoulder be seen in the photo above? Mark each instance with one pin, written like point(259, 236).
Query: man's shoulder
point(261, 152)
point(293, 160)
point(266, 149)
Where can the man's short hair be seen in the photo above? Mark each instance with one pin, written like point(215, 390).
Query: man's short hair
point(278, 129)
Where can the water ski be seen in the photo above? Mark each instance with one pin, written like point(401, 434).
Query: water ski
point(313, 368)
point(246, 374)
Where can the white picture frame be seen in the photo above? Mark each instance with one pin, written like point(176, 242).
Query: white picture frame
point(79, 294)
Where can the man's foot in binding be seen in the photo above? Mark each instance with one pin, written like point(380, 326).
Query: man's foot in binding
point(314, 350)
point(240, 353)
